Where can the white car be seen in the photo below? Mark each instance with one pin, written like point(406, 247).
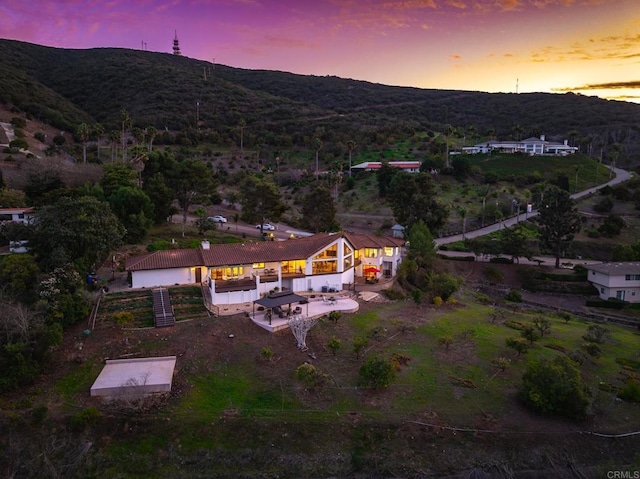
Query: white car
point(218, 219)
point(266, 227)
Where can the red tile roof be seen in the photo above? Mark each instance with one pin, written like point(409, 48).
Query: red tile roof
point(360, 241)
point(252, 252)
point(175, 258)
point(265, 251)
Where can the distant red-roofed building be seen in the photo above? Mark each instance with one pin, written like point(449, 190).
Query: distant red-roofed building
point(242, 272)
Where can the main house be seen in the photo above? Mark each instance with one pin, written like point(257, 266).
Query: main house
point(531, 146)
point(243, 272)
point(616, 280)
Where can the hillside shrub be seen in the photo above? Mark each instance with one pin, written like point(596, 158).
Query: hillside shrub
point(334, 316)
point(611, 303)
point(334, 345)
point(123, 318)
point(457, 258)
point(266, 353)
point(19, 143)
point(630, 391)
point(596, 334)
point(517, 325)
point(514, 296)
point(519, 345)
point(493, 275)
point(376, 373)
point(394, 294)
point(501, 260)
point(359, 345)
point(556, 388)
point(604, 205)
point(592, 349)
point(310, 376)
point(85, 418)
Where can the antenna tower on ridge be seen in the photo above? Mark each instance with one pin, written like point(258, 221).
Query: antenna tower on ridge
point(176, 45)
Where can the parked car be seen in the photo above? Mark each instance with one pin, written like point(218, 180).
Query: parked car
point(218, 219)
point(266, 227)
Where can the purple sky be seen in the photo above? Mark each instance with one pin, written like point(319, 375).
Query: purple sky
point(585, 46)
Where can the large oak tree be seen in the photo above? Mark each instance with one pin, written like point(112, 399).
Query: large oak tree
point(82, 231)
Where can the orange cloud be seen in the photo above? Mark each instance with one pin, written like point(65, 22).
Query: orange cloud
point(604, 48)
point(603, 86)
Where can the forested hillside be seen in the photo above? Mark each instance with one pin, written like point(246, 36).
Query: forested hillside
point(66, 87)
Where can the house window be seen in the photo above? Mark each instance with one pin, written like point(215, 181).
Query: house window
point(371, 252)
point(388, 251)
point(348, 262)
point(347, 249)
point(323, 267)
point(294, 267)
point(602, 290)
point(330, 252)
point(258, 265)
point(593, 273)
point(632, 277)
point(234, 272)
point(4, 217)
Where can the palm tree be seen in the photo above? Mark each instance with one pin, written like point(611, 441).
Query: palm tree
point(351, 145)
point(125, 121)
point(138, 134)
point(83, 133)
point(139, 156)
point(150, 135)
point(317, 145)
point(114, 139)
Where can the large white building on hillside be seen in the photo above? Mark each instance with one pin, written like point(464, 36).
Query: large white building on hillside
point(531, 146)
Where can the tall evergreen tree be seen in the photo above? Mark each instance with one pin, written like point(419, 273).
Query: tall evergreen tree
point(261, 200)
point(318, 210)
point(558, 220)
point(412, 197)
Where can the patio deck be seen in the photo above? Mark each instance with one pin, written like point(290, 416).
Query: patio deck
point(315, 308)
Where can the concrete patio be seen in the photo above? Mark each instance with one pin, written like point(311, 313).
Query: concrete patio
point(315, 308)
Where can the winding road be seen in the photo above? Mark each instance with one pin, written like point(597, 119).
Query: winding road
point(621, 177)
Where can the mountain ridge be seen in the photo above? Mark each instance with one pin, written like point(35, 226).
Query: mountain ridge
point(68, 86)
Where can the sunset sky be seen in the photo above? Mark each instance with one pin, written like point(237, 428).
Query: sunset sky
point(585, 46)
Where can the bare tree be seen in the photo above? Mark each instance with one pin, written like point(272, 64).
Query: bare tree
point(300, 325)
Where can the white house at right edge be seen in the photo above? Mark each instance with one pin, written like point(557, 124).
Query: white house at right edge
point(616, 280)
point(531, 146)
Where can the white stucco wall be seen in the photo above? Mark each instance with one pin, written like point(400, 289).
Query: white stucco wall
point(161, 277)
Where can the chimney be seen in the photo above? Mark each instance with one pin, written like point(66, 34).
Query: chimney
point(205, 244)
point(542, 137)
point(566, 142)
